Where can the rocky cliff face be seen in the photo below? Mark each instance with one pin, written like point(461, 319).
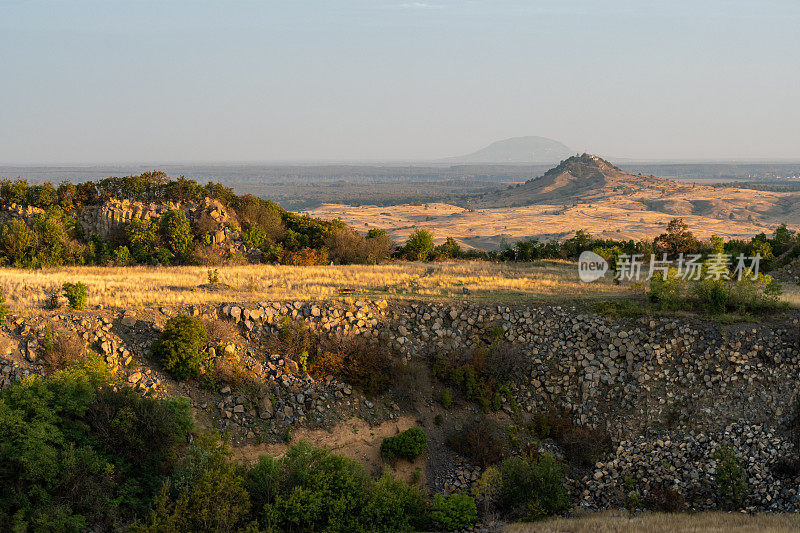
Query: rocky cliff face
point(106, 219)
point(669, 390)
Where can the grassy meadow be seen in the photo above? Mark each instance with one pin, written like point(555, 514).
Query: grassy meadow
point(130, 287)
point(544, 282)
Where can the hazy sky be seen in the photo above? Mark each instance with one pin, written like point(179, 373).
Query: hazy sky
point(97, 81)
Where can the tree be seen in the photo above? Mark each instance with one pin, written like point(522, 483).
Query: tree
point(180, 347)
point(142, 236)
point(17, 242)
point(379, 246)
point(449, 249)
point(346, 246)
point(177, 233)
point(677, 240)
point(67, 195)
point(419, 245)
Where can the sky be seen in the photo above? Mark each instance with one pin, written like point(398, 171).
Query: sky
point(108, 81)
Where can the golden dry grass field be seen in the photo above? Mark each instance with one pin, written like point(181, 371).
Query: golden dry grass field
point(131, 287)
point(490, 227)
point(554, 282)
point(615, 522)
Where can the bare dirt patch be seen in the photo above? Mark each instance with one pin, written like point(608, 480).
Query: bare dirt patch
point(354, 438)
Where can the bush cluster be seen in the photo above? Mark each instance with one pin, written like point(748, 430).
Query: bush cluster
point(53, 237)
point(75, 293)
point(783, 245)
point(455, 511)
point(179, 349)
point(79, 455)
point(730, 478)
point(532, 488)
point(408, 444)
point(583, 446)
point(477, 441)
point(364, 363)
point(481, 374)
point(672, 292)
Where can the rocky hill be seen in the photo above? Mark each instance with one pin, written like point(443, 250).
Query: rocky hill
point(583, 178)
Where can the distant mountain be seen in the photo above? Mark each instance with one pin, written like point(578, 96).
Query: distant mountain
point(518, 150)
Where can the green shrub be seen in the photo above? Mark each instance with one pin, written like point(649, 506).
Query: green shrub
point(394, 506)
point(76, 455)
point(177, 233)
point(488, 488)
point(311, 489)
point(207, 493)
point(179, 349)
point(75, 293)
point(715, 296)
point(668, 292)
point(122, 256)
point(142, 238)
point(419, 245)
point(619, 308)
point(533, 489)
point(317, 491)
point(447, 398)
point(712, 295)
point(730, 477)
point(409, 444)
point(454, 512)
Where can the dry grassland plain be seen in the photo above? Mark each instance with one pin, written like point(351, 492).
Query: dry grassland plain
point(132, 287)
point(489, 228)
point(545, 282)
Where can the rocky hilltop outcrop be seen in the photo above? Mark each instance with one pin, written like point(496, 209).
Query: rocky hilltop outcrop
point(108, 218)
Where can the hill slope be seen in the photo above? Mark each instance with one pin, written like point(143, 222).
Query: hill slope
point(579, 179)
point(518, 150)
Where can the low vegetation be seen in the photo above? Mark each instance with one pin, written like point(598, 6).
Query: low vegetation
point(730, 478)
point(75, 293)
point(481, 374)
point(79, 453)
point(180, 348)
point(454, 512)
point(51, 235)
point(408, 444)
point(532, 489)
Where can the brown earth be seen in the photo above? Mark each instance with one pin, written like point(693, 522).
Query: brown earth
point(354, 438)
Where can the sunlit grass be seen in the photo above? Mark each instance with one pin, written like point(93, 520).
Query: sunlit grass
point(554, 282)
point(154, 286)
